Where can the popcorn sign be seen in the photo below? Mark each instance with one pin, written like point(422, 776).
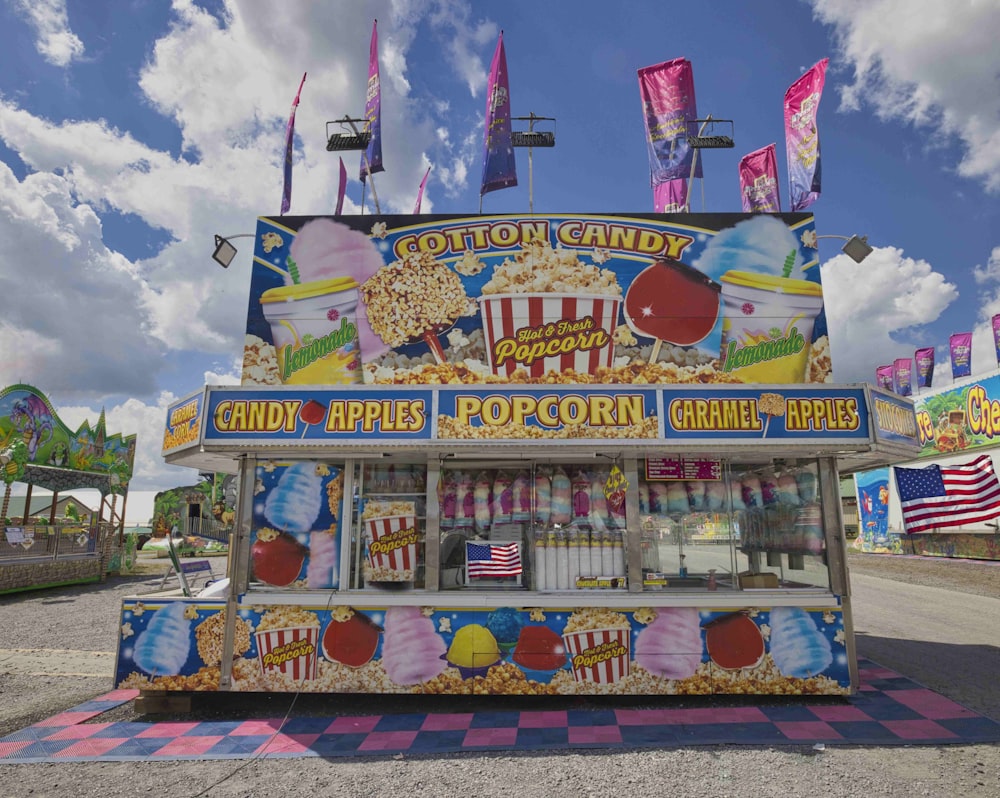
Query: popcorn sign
point(392, 548)
point(600, 656)
point(291, 651)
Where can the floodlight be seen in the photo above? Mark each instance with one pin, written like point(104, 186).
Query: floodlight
point(857, 248)
point(347, 140)
point(224, 252)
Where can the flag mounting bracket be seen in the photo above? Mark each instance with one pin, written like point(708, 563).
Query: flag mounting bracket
point(345, 140)
point(712, 134)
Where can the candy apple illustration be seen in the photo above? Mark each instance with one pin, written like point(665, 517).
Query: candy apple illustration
point(734, 641)
point(670, 301)
point(312, 412)
point(277, 558)
point(352, 641)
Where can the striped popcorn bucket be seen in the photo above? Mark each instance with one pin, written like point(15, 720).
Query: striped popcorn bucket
point(600, 656)
point(549, 332)
point(392, 548)
point(290, 651)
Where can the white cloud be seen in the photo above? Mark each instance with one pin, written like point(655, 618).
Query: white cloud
point(874, 307)
point(991, 271)
point(930, 64)
point(55, 41)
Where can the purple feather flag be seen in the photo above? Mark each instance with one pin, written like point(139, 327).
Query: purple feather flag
point(342, 188)
point(286, 191)
point(759, 181)
point(371, 161)
point(420, 192)
point(499, 168)
point(802, 136)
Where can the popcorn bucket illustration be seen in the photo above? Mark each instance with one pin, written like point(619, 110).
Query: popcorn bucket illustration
point(290, 651)
point(600, 656)
point(392, 548)
point(549, 332)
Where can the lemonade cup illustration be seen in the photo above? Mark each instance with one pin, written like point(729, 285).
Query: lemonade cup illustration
point(315, 331)
point(767, 326)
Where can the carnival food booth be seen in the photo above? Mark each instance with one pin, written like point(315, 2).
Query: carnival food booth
point(569, 454)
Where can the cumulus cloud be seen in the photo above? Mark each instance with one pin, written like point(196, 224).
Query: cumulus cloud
point(56, 43)
point(935, 67)
point(874, 309)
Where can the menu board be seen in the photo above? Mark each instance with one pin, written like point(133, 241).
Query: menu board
point(666, 469)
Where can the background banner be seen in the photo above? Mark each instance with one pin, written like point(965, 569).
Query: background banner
point(669, 110)
point(960, 346)
point(759, 181)
point(883, 377)
point(671, 196)
point(499, 166)
point(996, 335)
point(802, 137)
point(902, 376)
point(924, 358)
point(371, 161)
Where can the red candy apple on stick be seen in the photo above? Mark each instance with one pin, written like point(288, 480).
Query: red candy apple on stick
point(312, 412)
point(669, 301)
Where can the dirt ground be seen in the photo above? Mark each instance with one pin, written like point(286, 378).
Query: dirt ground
point(931, 638)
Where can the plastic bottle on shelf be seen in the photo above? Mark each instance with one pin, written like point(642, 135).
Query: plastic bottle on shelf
point(618, 548)
point(540, 559)
point(551, 560)
point(573, 550)
point(562, 561)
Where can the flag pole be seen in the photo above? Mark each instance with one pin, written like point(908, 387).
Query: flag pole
point(694, 167)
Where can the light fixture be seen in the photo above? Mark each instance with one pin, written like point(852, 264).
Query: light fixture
point(224, 250)
point(856, 247)
point(530, 138)
point(347, 140)
point(708, 137)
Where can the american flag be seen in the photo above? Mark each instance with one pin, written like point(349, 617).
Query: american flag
point(942, 496)
point(497, 559)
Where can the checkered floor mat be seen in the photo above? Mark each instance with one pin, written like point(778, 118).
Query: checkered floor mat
point(889, 709)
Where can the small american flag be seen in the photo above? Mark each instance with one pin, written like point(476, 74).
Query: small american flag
point(498, 559)
point(943, 496)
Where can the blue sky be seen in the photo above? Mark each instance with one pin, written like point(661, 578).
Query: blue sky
point(131, 131)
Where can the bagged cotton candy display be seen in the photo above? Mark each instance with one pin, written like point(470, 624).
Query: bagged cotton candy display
point(696, 495)
point(715, 495)
point(502, 498)
point(482, 490)
point(788, 490)
point(521, 496)
point(599, 515)
point(163, 648)
point(752, 494)
point(447, 498)
point(798, 647)
point(806, 481)
point(543, 498)
point(562, 499)
point(295, 502)
point(580, 487)
point(677, 498)
point(465, 500)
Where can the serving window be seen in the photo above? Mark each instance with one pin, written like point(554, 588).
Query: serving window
point(531, 526)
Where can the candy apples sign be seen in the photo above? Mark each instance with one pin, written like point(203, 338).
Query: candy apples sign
point(605, 299)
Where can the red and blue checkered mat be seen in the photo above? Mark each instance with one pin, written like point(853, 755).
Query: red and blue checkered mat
point(889, 709)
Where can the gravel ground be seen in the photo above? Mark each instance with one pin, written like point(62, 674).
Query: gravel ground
point(85, 619)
